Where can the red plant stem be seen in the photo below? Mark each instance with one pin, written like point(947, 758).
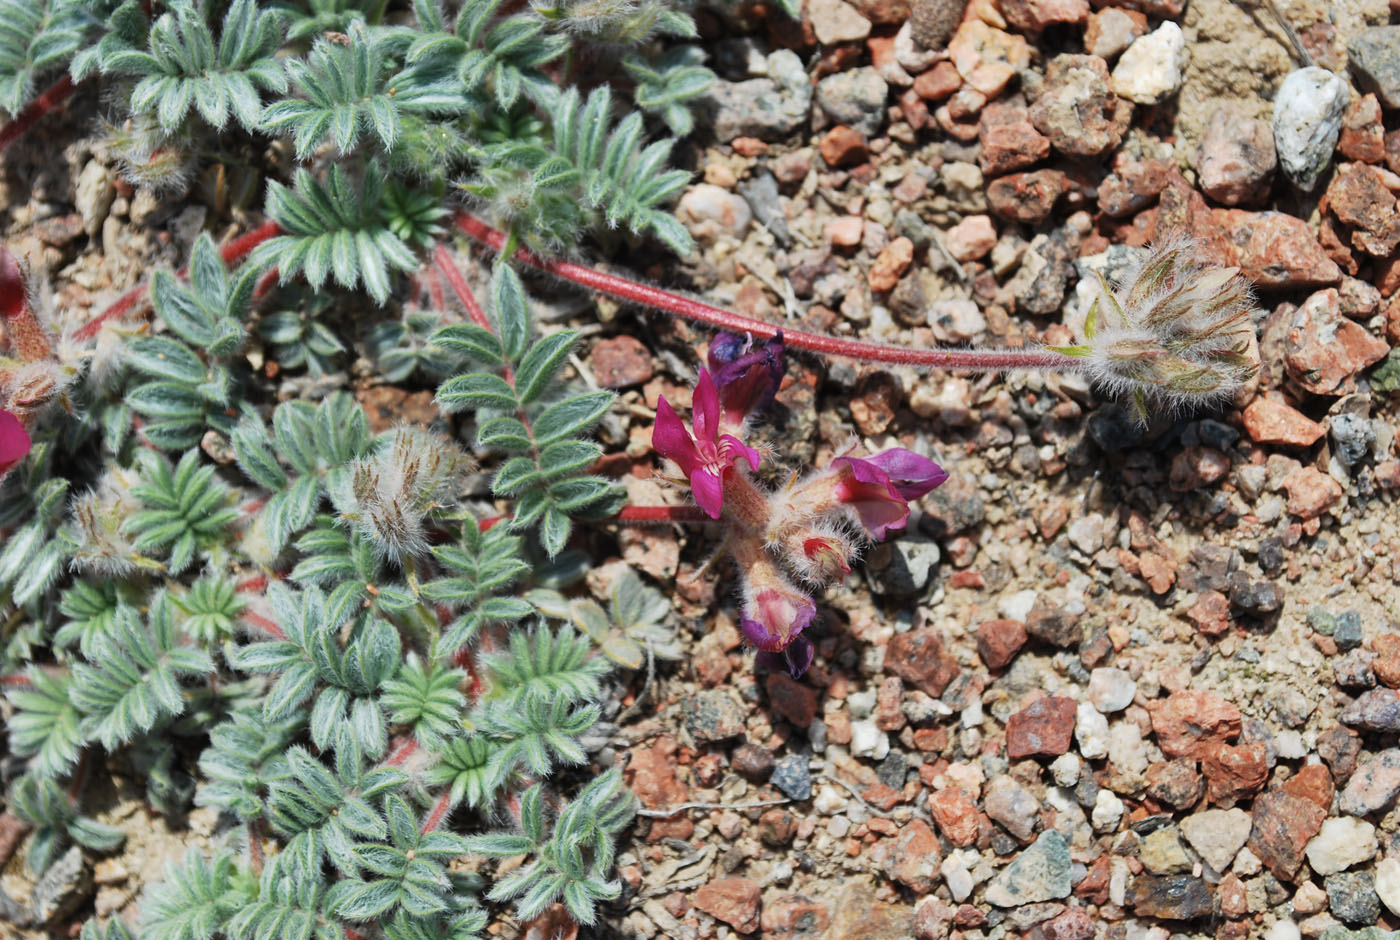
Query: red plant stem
point(690, 309)
point(440, 809)
point(15, 679)
point(232, 253)
point(264, 624)
point(352, 934)
point(51, 98)
point(459, 287)
point(402, 754)
point(255, 849)
point(636, 515)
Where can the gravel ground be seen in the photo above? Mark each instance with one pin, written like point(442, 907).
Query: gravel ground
point(1112, 682)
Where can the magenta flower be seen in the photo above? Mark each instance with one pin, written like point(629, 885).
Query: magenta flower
point(774, 621)
point(14, 441)
point(747, 378)
point(708, 456)
point(879, 488)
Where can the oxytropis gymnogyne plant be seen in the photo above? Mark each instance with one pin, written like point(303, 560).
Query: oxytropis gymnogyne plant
point(360, 646)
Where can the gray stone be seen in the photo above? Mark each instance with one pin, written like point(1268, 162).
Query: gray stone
point(766, 108)
point(713, 715)
point(1377, 710)
point(911, 562)
point(1012, 805)
point(793, 776)
point(1347, 635)
point(762, 194)
point(1375, 58)
point(1352, 898)
point(1040, 873)
point(1353, 436)
point(835, 21)
point(1308, 113)
point(855, 97)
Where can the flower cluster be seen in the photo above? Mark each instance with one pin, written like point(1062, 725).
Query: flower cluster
point(807, 532)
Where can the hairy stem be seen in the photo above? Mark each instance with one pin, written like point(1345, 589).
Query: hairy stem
point(990, 360)
point(52, 97)
point(441, 808)
point(232, 253)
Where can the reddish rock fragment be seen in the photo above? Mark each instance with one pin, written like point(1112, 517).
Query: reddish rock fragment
point(1111, 30)
point(1357, 196)
point(1197, 466)
point(795, 917)
point(1234, 772)
point(1363, 134)
point(1283, 825)
point(987, 58)
point(1176, 783)
point(732, 900)
point(1009, 143)
point(1026, 197)
point(972, 238)
point(1035, 16)
point(1276, 250)
point(1312, 782)
point(998, 642)
point(620, 361)
point(1211, 613)
point(1132, 185)
point(777, 827)
point(891, 264)
point(1072, 924)
point(1042, 729)
point(791, 699)
point(1324, 351)
point(918, 657)
point(916, 856)
point(1272, 421)
point(1236, 158)
point(938, 82)
point(651, 773)
point(956, 815)
point(1387, 663)
point(1189, 721)
point(1311, 492)
point(1234, 899)
point(842, 146)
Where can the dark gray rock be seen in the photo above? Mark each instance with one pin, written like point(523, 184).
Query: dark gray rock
point(1377, 710)
point(793, 777)
point(1352, 897)
point(762, 194)
point(855, 97)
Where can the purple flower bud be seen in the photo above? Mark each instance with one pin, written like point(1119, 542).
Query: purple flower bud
point(747, 376)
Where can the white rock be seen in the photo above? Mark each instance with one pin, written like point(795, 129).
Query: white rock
point(956, 319)
point(1086, 532)
point(1066, 768)
point(911, 55)
point(1217, 835)
point(1151, 68)
point(829, 801)
point(1125, 748)
point(1308, 112)
point(1342, 842)
point(836, 21)
point(959, 881)
point(93, 195)
point(1283, 929)
point(1016, 606)
point(1108, 809)
point(868, 740)
point(709, 211)
point(1290, 744)
point(1111, 690)
point(1091, 731)
point(1388, 884)
point(1247, 864)
point(861, 704)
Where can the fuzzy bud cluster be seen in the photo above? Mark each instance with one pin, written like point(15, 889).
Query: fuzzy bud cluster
point(808, 532)
point(1173, 331)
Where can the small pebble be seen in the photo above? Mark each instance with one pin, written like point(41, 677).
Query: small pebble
point(1308, 111)
point(1151, 68)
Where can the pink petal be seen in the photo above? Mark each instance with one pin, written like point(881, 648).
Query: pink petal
point(14, 439)
point(704, 408)
point(708, 490)
point(731, 448)
point(12, 287)
point(670, 438)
